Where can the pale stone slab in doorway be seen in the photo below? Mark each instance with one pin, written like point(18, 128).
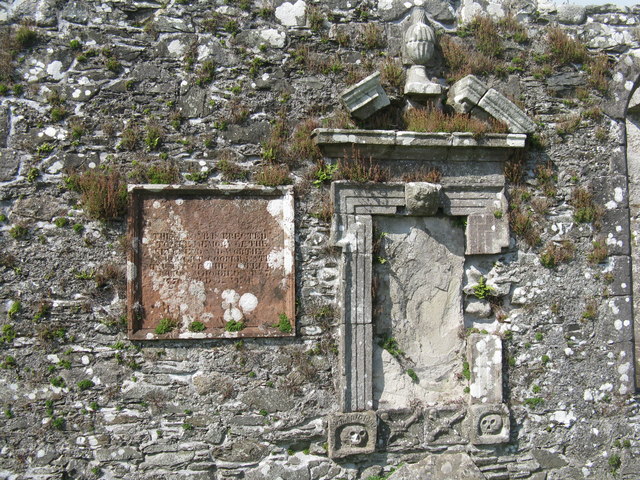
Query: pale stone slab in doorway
point(418, 270)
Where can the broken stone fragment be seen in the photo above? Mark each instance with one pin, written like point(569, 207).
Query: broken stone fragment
point(484, 353)
point(504, 110)
point(470, 92)
point(422, 198)
point(472, 279)
point(486, 234)
point(500, 284)
point(466, 93)
point(479, 308)
point(365, 97)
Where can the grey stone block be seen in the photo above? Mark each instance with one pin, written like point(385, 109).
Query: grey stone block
point(616, 230)
point(620, 269)
point(365, 97)
point(484, 353)
point(571, 14)
point(503, 109)
point(615, 320)
point(490, 424)
point(479, 308)
point(422, 198)
point(610, 191)
point(486, 234)
point(466, 93)
point(444, 466)
point(564, 84)
point(352, 434)
point(9, 164)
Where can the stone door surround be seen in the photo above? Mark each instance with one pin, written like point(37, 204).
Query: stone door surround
point(472, 186)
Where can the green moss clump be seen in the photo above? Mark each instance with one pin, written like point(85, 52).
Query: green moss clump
point(166, 325)
point(197, 327)
point(233, 326)
point(284, 324)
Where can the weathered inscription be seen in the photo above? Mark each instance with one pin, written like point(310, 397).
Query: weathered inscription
point(209, 255)
point(211, 263)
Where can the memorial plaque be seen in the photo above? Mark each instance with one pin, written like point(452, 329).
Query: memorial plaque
point(210, 263)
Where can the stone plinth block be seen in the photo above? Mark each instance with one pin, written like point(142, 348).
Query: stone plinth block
point(210, 262)
point(504, 110)
point(486, 234)
point(419, 85)
point(365, 97)
point(422, 198)
point(444, 466)
point(352, 434)
point(484, 353)
point(466, 93)
point(489, 424)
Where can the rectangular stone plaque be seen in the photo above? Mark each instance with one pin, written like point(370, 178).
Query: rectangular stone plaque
point(210, 262)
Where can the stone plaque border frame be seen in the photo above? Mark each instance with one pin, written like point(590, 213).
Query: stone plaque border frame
point(476, 195)
point(134, 307)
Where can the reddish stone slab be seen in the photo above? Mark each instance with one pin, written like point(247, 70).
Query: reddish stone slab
point(210, 263)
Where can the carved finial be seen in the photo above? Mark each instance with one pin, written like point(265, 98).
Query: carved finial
point(419, 43)
point(419, 38)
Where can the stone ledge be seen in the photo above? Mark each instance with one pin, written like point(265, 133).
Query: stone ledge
point(403, 145)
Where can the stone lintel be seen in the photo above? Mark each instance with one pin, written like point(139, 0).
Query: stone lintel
point(352, 434)
point(484, 353)
point(490, 424)
point(434, 146)
point(365, 97)
point(461, 200)
point(351, 199)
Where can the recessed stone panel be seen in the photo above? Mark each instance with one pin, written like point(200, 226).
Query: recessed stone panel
point(207, 263)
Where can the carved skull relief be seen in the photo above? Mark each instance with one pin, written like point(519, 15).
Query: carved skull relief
point(354, 435)
point(490, 424)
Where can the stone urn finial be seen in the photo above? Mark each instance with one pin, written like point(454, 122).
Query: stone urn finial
point(419, 43)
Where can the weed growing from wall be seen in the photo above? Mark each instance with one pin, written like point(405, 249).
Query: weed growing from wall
point(103, 193)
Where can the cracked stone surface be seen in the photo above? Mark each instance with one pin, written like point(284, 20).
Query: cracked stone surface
point(417, 303)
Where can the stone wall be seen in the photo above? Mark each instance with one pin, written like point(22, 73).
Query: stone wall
point(211, 92)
